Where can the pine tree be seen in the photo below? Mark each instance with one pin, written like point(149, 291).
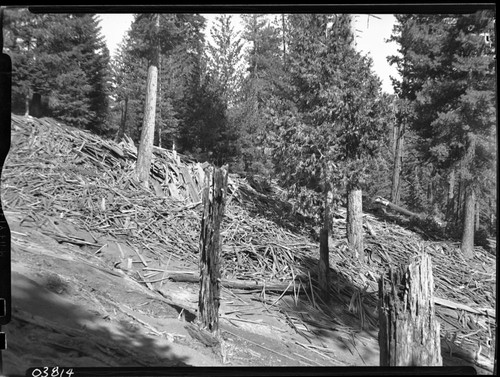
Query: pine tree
point(60, 57)
point(20, 39)
point(330, 118)
point(448, 74)
point(205, 131)
point(177, 38)
point(177, 72)
point(264, 75)
point(225, 75)
point(128, 93)
point(225, 58)
point(99, 72)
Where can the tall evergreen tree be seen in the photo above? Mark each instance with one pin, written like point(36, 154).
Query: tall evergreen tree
point(21, 33)
point(128, 83)
point(448, 72)
point(264, 75)
point(61, 57)
point(225, 58)
point(179, 37)
point(331, 121)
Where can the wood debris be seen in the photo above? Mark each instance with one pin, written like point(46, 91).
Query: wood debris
point(59, 172)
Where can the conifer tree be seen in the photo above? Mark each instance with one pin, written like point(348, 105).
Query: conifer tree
point(264, 74)
point(181, 42)
point(225, 58)
point(151, 38)
point(448, 73)
point(331, 121)
point(60, 57)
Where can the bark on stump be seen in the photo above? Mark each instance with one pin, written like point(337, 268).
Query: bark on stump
point(213, 198)
point(324, 258)
point(398, 160)
point(355, 222)
point(467, 245)
point(409, 330)
point(324, 264)
point(145, 151)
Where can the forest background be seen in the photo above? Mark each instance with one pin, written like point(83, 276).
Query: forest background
point(288, 100)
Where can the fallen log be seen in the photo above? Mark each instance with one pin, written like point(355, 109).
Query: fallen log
point(194, 277)
point(469, 353)
point(394, 207)
point(287, 288)
point(458, 306)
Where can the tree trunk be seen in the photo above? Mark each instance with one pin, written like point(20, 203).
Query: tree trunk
point(27, 100)
point(396, 173)
point(123, 121)
point(492, 225)
point(210, 281)
point(355, 222)
point(324, 257)
point(36, 105)
point(467, 245)
point(451, 196)
point(283, 26)
point(145, 151)
point(125, 115)
point(477, 215)
point(396, 208)
point(430, 194)
point(159, 105)
point(409, 330)
point(459, 202)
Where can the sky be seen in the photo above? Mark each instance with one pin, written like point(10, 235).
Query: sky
point(371, 33)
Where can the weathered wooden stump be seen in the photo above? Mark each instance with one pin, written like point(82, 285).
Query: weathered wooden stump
point(213, 198)
point(354, 224)
point(409, 331)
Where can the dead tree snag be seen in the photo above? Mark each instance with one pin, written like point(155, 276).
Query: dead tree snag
point(213, 198)
point(409, 331)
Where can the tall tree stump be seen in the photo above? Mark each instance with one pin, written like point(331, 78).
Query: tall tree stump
point(354, 221)
point(409, 331)
point(145, 151)
point(213, 198)
point(467, 245)
point(324, 252)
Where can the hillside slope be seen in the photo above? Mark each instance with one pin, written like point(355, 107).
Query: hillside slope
point(114, 261)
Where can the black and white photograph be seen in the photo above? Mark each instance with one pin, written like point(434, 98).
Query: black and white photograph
point(248, 191)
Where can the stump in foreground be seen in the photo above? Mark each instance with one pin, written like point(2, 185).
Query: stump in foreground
point(213, 198)
point(409, 331)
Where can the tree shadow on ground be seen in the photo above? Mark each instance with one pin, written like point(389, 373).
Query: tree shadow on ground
point(272, 206)
point(426, 227)
point(335, 318)
point(48, 329)
point(350, 314)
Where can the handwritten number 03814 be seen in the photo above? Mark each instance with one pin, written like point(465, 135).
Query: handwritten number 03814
point(51, 372)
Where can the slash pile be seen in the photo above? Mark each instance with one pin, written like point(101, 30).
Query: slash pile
point(54, 170)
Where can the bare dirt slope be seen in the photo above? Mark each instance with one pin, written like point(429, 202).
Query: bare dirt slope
point(93, 260)
point(71, 308)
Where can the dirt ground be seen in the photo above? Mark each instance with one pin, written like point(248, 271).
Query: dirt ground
point(71, 307)
point(74, 307)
